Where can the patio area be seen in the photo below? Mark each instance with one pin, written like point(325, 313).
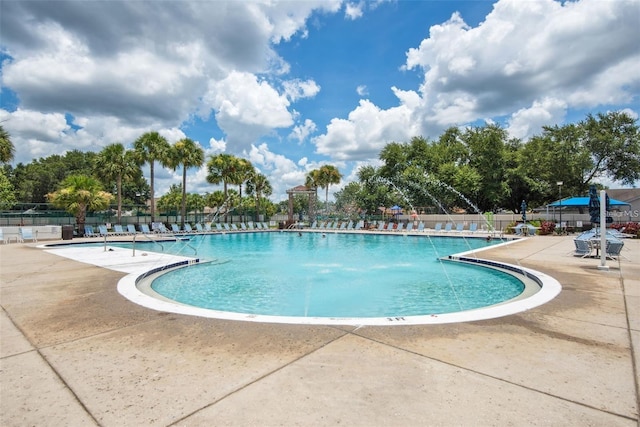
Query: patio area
point(75, 352)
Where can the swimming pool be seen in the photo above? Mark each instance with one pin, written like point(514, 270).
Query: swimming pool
point(333, 276)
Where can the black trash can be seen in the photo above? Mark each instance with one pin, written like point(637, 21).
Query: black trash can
point(67, 232)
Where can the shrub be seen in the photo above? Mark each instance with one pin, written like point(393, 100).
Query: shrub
point(547, 227)
point(632, 228)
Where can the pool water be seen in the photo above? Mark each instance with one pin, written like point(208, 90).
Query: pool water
point(332, 275)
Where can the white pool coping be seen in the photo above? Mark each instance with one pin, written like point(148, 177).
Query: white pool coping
point(146, 265)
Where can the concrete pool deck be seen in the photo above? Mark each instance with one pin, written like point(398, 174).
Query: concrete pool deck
point(75, 352)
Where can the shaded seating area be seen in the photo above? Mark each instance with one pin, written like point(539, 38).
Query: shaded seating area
point(588, 244)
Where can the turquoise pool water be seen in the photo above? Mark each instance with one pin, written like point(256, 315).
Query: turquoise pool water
point(336, 275)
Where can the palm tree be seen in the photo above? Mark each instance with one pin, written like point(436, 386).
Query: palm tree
point(188, 154)
point(114, 162)
point(7, 150)
point(149, 148)
point(243, 172)
point(259, 185)
point(312, 181)
point(328, 175)
point(79, 194)
point(222, 168)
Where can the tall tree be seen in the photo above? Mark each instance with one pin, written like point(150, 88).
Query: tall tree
point(222, 168)
point(114, 162)
point(188, 154)
point(243, 170)
point(149, 148)
point(79, 194)
point(613, 142)
point(328, 174)
point(258, 185)
point(7, 150)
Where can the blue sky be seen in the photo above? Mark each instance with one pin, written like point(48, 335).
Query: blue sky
point(294, 85)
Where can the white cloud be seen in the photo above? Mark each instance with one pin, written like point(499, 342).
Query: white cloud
point(528, 122)
point(353, 11)
point(247, 108)
point(302, 132)
point(298, 89)
point(362, 90)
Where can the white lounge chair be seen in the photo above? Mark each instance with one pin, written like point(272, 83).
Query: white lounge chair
point(4, 239)
point(132, 229)
point(26, 233)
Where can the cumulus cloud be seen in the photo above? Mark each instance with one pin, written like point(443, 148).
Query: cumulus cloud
point(301, 132)
point(535, 58)
point(353, 11)
point(298, 89)
point(362, 90)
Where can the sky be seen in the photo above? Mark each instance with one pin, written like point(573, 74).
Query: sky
point(293, 85)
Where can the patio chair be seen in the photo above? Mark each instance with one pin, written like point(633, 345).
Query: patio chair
point(447, 228)
point(187, 228)
point(459, 227)
point(438, 227)
point(118, 230)
point(381, 226)
point(103, 231)
point(343, 226)
point(26, 233)
point(145, 229)
point(258, 225)
point(234, 227)
point(175, 228)
point(265, 225)
point(88, 231)
point(250, 224)
point(400, 227)
point(410, 226)
point(218, 226)
point(199, 228)
point(421, 226)
point(132, 229)
point(243, 226)
point(207, 228)
point(314, 225)
point(226, 227)
point(3, 238)
point(583, 248)
point(614, 247)
point(473, 227)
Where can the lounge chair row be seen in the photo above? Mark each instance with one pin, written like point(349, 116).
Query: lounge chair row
point(160, 228)
point(392, 226)
point(24, 234)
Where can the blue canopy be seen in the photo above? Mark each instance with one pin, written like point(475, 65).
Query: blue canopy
point(576, 202)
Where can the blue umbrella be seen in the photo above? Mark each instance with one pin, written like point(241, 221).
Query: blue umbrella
point(523, 208)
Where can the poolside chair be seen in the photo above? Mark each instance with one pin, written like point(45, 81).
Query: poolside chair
point(359, 225)
point(176, 229)
point(614, 247)
point(473, 227)
point(3, 238)
point(187, 228)
point(226, 227)
point(88, 231)
point(314, 225)
point(234, 227)
point(265, 225)
point(118, 230)
point(207, 228)
point(583, 248)
point(132, 229)
point(400, 227)
point(381, 226)
point(343, 226)
point(26, 233)
point(199, 228)
point(447, 228)
point(459, 227)
point(145, 229)
point(421, 226)
point(258, 226)
point(218, 226)
point(243, 226)
point(350, 225)
point(438, 227)
point(410, 226)
point(103, 230)
point(250, 224)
